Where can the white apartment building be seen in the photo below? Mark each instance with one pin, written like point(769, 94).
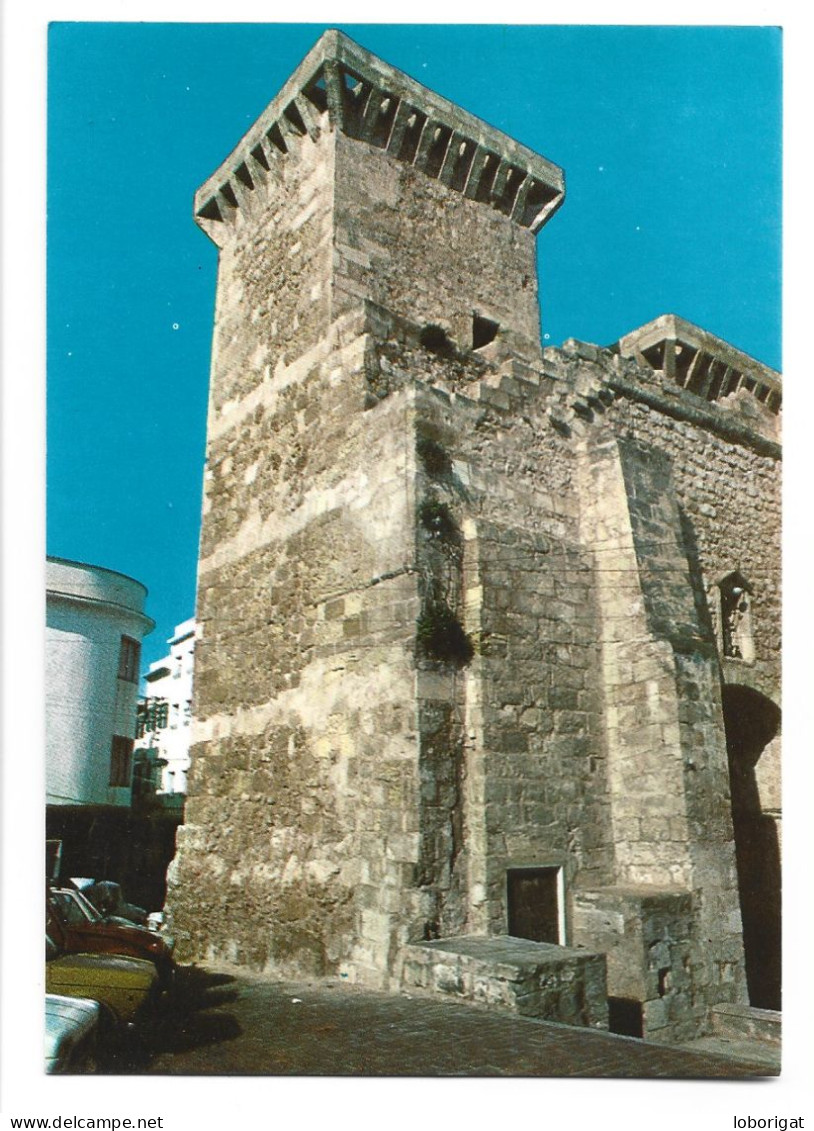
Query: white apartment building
point(95, 623)
point(165, 713)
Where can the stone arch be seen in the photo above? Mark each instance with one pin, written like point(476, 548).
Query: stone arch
point(752, 723)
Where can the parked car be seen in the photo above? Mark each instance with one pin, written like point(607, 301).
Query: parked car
point(108, 899)
point(79, 928)
point(72, 1026)
point(126, 987)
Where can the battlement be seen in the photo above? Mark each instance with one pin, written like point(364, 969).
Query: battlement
point(699, 362)
point(340, 86)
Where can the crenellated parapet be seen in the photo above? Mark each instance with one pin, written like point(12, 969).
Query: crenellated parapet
point(340, 86)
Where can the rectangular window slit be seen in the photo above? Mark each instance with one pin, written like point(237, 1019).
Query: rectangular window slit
point(121, 757)
point(129, 654)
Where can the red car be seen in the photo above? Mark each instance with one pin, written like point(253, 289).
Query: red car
point(79, 929)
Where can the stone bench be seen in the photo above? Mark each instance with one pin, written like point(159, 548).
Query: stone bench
point(531, 979)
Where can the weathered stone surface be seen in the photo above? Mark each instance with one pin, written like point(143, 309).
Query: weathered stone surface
point(466, 609)
point(532, 979)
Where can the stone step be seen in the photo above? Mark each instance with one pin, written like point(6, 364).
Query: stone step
point(737, 1051)
point(531, 979)
point(745, 1022)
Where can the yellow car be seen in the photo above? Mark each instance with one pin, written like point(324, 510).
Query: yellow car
point(126, 987)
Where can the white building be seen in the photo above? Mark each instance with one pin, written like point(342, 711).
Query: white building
point(95, 623)
point(165, 713)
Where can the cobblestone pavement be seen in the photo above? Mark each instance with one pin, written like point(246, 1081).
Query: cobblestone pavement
point(231, 1022)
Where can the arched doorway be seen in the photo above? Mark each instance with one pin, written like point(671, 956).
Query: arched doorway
point(752, 722)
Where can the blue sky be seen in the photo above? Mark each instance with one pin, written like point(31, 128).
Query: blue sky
point(670, 141)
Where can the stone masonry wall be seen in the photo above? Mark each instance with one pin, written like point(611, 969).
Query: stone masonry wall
point(664, 792)
point(513, 765)
point(302, 810)
point(687, 521)
point(460, 608)
point(392, 221)
point(727, 488)
point(273, 296)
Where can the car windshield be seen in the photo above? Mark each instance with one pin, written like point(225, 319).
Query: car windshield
point(73, 909)
point(86, 905)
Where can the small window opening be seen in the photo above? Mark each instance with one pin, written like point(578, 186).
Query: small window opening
point(484, 331)
point(736, 618)
point(435, 339)
point(129, 654)
point(664, 980)
point(534, 904)
point(121, 758)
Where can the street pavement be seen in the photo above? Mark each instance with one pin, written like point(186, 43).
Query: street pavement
point(230, 1022)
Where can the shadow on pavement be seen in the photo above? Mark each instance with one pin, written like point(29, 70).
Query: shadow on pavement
point(189, 1018)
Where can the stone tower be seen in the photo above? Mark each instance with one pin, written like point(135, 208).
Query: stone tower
point(458, 671)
